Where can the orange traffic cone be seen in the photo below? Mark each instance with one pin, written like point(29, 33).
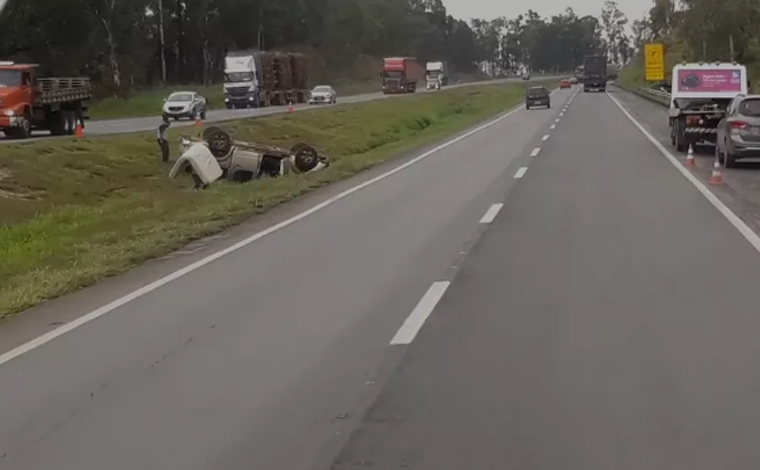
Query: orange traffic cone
point(79, 132)
point(290, 107)
point(198, 121)
point(717, 177)
point(690, 157)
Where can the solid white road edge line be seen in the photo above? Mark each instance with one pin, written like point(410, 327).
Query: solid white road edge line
point(521, 172)
point(99, 312)
point(421, 312)
point(734, 219)
point(491, 213)
point(534, 153)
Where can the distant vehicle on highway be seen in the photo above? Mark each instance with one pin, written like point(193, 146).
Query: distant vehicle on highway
point(595, 72)
point(739, 131)
point(526, 76)
point(323, 94)
point(537, 96)
point(184, 104)
point(573, 80)
point(401, 74)
point(565, 83)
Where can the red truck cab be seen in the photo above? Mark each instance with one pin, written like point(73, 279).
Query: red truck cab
point(28, 102)
point(401, 74)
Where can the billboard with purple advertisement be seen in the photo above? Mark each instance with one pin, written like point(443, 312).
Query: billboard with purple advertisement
point(710, 81)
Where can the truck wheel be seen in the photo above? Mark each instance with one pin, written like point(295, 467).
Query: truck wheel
point(305, 157)
point(680, 137)
point(219, 142)
point(57, 124)
point(24, 131)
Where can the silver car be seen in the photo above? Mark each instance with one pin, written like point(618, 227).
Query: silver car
point(184, 104)
point(323, 94)
point(738, 133)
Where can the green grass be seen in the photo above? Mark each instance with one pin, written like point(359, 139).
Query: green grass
point(77, 211)
point(148, 102)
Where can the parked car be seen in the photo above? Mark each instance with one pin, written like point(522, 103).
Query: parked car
point(323, 94)
point(565, 83)
point(738, 133)
point(537, 96)
point(184, 104)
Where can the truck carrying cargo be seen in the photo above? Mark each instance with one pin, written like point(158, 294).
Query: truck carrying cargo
point(595, 72)
point(699, 97)
point(401, 75)
point(254, 78)
point(29, 102)
point(437, 75)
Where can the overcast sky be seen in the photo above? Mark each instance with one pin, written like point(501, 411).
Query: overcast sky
point(488, 9)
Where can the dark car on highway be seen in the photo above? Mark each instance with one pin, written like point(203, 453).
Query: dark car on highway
point(537, 96)
point(738, 133)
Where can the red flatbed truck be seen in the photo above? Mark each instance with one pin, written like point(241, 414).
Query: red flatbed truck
point(401, 74)
point(29, 102)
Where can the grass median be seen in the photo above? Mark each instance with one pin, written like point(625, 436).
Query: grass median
point(77, 211)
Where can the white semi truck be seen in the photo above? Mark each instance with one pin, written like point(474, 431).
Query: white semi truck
point(254, 78)
point(437, 74)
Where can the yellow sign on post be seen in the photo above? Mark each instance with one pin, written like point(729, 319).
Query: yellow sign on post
point(654, 62)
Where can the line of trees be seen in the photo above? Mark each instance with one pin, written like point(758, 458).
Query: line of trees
point(703, 30)
point(124, 44)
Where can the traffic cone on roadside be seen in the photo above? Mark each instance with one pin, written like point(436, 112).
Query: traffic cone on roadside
point(290, 106)
point(717, 177)
point(198, 120)
point(78, 131)
point(690, 157)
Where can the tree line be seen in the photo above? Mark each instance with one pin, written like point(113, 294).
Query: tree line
point(123, 44)
point(703, 30)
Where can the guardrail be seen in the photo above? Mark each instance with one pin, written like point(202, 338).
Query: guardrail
point(657, 96)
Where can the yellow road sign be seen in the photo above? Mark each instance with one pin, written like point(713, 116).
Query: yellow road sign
point(654, 61)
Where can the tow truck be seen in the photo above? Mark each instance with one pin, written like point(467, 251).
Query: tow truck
point(700, 95)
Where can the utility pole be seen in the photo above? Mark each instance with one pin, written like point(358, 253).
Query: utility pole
point(731, 46)
point(163, 41)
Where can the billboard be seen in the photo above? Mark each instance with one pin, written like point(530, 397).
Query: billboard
point(710, 81)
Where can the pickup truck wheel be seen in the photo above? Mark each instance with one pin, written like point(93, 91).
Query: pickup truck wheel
point(219, 142)
point(305, 157)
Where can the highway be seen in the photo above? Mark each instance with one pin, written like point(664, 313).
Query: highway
point(549, 290)
point(125, 126)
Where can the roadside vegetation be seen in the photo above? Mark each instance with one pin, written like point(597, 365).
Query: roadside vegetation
point(697, 31)
point(78, 210)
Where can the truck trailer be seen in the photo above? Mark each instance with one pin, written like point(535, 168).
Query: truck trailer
point(29, 102)
point(401, 75)
point(254, 78)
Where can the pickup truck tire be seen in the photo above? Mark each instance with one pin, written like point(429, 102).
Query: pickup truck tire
point(305, 157)
point(219, 142)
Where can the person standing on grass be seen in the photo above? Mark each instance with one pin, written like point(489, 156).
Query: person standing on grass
point(163, 140)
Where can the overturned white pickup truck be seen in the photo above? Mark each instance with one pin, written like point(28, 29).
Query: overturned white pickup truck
point(215, 155)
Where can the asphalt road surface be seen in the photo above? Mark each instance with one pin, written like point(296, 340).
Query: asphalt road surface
point(123, 126)
point(546, 292)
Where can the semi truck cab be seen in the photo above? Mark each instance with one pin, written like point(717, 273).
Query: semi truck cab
point(241, 84)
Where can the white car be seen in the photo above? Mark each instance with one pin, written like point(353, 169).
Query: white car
point(184, 104)
point(323, 94)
